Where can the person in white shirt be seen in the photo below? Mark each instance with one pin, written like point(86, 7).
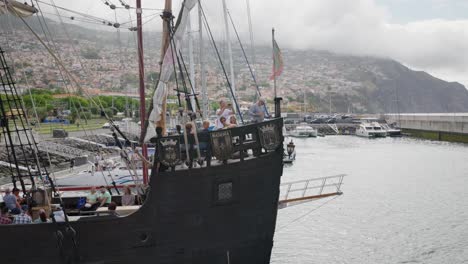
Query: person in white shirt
point(225, 111)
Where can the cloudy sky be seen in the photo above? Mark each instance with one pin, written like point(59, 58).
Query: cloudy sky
point(429, 35)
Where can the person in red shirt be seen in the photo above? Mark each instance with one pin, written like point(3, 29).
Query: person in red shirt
point(4, 219)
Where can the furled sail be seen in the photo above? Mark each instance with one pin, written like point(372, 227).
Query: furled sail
point(167, 68)
point(16, 8)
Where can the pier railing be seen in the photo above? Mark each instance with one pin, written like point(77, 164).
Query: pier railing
point(307, 190)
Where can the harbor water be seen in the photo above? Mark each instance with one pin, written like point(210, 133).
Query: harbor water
point(405, 201)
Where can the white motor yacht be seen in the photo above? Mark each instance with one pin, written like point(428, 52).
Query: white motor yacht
point(371, 130)
point(303, 130)
point(391, 130)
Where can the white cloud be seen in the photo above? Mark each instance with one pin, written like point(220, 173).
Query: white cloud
point(361, 27)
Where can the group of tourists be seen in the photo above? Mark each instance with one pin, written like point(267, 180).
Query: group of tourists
point(103, 198)
point(226, 115)
point(17, 211)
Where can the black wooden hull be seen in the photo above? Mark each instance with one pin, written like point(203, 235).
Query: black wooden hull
point(181, 222)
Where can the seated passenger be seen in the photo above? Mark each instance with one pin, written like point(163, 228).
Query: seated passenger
point(20, 200)
point(232, 122)
point(42, 217)
point(189, 128)
point(128, 198)
point(24, 217)
point(206, 126)
point(91, 200)
point(11, 202)
point(4, 217)
point(112, 206)
point(104, 197)
point(223, 122)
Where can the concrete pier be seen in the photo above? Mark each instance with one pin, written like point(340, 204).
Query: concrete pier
point(436, 126)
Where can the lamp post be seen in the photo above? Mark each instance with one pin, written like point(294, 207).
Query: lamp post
point(290, 148)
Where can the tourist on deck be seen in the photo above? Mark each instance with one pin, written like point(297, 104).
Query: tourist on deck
point(128, 198)
point(206, 126)
point(20, 200)
point(189, 129)
point(11, 201)
point(224, 123)
point(104, 197)
point(112, 207)
point(225, 111)
point(42, 217)
point(257, 111)
point(23, 217)
point(4, 218)
point(92, 202)
point(232, 121)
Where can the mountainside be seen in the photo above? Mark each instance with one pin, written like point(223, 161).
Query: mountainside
point(322, 79)
point(366, 84)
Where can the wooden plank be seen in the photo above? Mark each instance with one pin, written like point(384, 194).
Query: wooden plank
point(309, 197)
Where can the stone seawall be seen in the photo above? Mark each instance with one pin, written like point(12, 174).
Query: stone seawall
point(452, 127)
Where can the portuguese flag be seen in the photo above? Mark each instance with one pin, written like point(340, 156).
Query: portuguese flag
point(277, 61)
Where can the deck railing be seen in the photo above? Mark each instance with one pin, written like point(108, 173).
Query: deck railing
point(236, 143)
point(306, 190)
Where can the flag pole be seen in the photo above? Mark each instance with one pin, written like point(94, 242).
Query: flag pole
point(274, 61)
point(277, 99)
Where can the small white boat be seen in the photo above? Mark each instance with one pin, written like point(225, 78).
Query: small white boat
point(391, 131)
point(303, 130)
point(371, 130)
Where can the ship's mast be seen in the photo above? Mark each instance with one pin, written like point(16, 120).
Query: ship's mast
point(141, 68)
point(167, 17)
point(252, 50)
point(202, 63)
point(228, 40)
point(191, 62)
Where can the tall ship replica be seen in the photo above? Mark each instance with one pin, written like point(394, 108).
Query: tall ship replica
point(214, 208)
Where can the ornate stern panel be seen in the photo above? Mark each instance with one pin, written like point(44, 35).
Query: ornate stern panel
point(269, 136)
point(221, 144)
point(169, 151)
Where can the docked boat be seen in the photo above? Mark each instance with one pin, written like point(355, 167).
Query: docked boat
point(391, 130)
point(303, 131)
point(370, 130)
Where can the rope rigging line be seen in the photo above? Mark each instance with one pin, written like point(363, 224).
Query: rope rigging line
point(73, 11)
point(43, 169)
point(247, 61)
point(244, 54)
point(190, 82)
point(59, 62)
point(221, 62)
point(128, 162)
point(184, 84)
